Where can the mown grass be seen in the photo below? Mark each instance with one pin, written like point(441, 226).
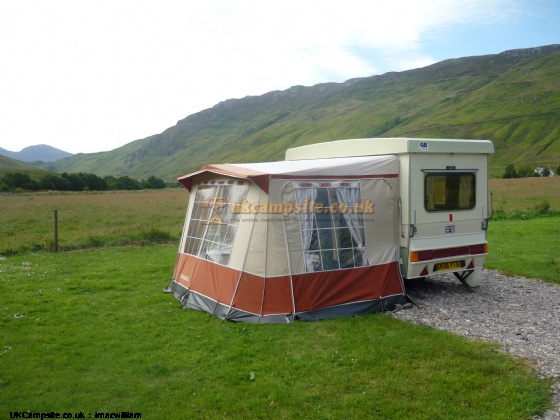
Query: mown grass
point(529, 248)
point(93, 331)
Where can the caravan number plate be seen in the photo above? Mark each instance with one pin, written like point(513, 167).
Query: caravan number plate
point(450, 265)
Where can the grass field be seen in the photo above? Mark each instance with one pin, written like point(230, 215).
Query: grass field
point(136, 218)
point(88, 220)
point(120, 218)
point(92, 331)
point(523, 195)
point(528, 248)
point(524, 235)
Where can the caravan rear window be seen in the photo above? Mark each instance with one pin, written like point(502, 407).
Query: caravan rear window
point(212, 228)
point(444, 191)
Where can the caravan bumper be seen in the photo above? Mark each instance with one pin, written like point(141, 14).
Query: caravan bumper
point(420, 263)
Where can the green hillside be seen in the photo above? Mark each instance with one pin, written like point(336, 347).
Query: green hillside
point(8, 163)
point(11, 165)
point(512, 98)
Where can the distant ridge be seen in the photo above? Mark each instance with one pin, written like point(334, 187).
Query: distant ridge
point(9, 164)
point(38, 153)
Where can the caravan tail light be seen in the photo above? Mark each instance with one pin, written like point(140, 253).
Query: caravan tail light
point(416, 256)
point(479, 249)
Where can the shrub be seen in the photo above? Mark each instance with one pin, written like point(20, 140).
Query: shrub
point(525, 172)
point(510, 172)
point(543, 207)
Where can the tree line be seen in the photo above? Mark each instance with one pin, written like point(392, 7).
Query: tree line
point(13, 181)
point(527, 172)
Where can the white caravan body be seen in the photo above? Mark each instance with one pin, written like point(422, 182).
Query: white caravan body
point(443, 188)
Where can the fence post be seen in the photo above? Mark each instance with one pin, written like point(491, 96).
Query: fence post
point(56, 231)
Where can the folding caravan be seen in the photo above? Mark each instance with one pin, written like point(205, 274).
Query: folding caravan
point(332, 230)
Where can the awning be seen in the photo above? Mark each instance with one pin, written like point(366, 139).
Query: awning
point(259, 178)
point(332, 168)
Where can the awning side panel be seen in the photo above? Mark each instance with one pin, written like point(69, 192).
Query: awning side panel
point(207, 278)
point(314, 291)
point(278, 296)
point(249, 295)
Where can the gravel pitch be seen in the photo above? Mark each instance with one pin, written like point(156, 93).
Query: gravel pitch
point(523, 315)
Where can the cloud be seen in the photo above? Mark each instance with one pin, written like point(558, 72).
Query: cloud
point(305, 42)
point(102, 73)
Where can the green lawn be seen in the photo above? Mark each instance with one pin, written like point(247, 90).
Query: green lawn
point(529, 248)
point(93, 331)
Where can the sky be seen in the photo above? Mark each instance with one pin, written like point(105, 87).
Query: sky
point(88, 76)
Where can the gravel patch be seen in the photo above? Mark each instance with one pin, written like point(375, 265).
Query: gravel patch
point(523, 315)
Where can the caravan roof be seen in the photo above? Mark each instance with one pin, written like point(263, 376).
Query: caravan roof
point(387, 146)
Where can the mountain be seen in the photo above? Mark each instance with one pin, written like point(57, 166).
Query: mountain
point(40, 152)
point(511, 98)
